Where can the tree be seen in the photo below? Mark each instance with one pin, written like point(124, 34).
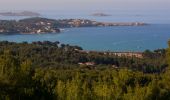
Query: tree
point(168, 53)
point(9, 65)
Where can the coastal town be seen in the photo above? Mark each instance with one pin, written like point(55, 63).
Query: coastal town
point(119, 54)
point(37, 25)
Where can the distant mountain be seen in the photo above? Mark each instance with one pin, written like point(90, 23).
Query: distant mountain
point(100, 14)
point(24, 13)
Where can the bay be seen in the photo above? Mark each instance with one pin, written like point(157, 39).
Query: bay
point(118, 38)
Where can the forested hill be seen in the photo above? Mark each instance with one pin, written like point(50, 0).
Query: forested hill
point(49, 54)
point(54, 71)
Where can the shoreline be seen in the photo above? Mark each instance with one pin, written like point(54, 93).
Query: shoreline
point(38, 25)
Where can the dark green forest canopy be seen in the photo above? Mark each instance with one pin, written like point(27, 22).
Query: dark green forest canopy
point(52, 54)
point(52, 71)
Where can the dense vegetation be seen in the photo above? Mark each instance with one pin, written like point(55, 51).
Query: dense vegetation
point(49, 70)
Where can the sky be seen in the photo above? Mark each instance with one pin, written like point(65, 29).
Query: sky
point(85, 5)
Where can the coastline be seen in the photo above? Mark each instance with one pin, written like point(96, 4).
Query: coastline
point(38, 25)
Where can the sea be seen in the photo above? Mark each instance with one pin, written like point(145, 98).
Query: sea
point(153, 36)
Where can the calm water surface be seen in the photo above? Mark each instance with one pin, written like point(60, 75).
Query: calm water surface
point(121, 38)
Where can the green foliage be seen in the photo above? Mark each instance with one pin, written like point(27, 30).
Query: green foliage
point(46, 71)
point(54, 54)
point(168, 53)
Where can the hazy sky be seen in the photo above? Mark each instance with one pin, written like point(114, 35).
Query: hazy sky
point(85, 5)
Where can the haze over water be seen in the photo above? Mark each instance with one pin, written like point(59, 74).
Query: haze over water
point(149, 11)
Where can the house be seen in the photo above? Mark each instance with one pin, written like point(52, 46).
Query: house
point(1, 30)
point(39, 31)
point(87, 63)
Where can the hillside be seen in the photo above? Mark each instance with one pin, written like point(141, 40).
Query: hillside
point(50, 70)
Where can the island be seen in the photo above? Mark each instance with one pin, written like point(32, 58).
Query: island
point(23, 13)
point(100, 14)
point(40, 25)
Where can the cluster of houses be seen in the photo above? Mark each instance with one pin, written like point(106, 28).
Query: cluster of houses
point(83, 22)
point(128, 54)
point(43, 27)
point(119, 54)
point(80, 23)
point(28, 27)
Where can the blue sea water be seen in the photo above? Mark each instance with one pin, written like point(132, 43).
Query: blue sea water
point(119, 38)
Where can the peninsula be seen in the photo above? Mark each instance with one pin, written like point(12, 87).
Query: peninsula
point(43, 25)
